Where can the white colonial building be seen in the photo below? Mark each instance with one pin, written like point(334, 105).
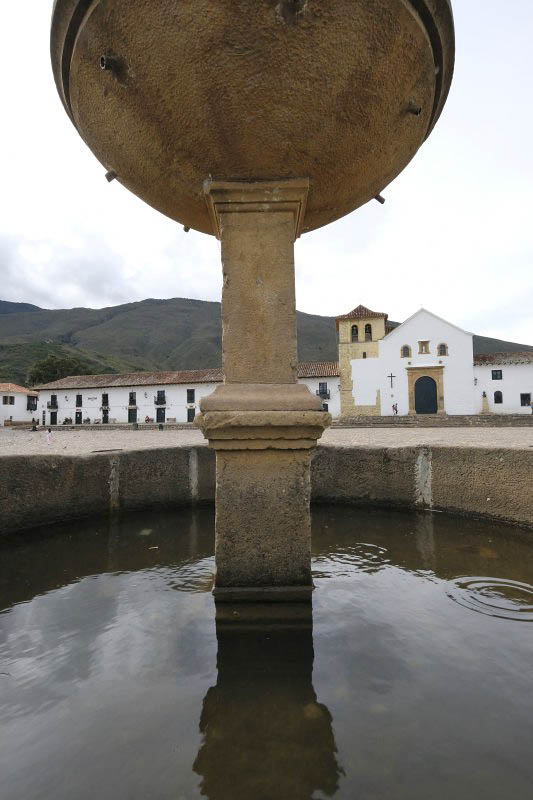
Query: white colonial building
point(505, 381)
point(157, 397)
point(426, 365)
point(18, 404)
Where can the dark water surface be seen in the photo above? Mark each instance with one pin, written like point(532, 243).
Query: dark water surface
point(415, 681)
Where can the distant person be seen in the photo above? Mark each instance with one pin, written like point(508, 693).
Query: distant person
point(395, 408)
point(33, 424)
point(49, 436)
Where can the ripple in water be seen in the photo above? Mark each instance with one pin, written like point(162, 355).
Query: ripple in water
point(495, 597)
point(362, 557)
point(192, 576)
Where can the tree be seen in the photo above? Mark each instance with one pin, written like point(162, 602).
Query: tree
point(53, 368)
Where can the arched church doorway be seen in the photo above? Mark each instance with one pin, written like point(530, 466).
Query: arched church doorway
point(426, 396)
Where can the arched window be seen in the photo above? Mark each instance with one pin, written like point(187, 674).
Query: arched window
point(406, 351)
point(355, 333)
point(368, 332)
point(498, 397)
point(442, 350)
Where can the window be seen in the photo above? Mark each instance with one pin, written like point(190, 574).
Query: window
point(132, 399)
point(78, 400)
point(496, 374)
point(8, 401)
point(191, 412)
point(525, 399)
point(190, 397)
point(322, 387)
point(423, 347)
point(31, 404)
point(355, 333)
point(160, 400)
point(105, 399)
point(368, 332)
point(498, 397)
point(442, 350)
point(406, 351)
point(364, 355)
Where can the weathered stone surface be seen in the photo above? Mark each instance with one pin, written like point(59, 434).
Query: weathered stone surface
point(485, 482)
point(39, 489)
point(263, 530)
point(166, 472)
point(259, 89)
point(239, 429)
point(261, 397)
point(367, 476)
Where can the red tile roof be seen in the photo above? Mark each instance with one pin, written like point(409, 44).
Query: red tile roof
point(362, 312)
point(318, 369)
point(14, 387)
point(312, 369)
point(213, 375)
point(520, 357)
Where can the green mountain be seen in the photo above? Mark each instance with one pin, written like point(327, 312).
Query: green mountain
point(149, 335)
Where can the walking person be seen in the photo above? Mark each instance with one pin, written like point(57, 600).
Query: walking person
point(49, 436)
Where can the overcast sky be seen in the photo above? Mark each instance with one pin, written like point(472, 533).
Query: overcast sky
point(454, 236)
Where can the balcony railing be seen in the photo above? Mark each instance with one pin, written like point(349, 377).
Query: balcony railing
point(160, 401)
point(51, 404)
point(325, 395)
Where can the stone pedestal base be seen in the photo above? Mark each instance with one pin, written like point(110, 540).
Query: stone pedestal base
point(263, 529)
point(263, 490)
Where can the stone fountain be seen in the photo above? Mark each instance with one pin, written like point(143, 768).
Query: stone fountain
point(256, 121)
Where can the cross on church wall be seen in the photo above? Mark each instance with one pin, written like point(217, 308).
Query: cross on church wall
point(391, 376)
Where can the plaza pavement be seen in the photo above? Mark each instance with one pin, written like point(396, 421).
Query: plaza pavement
point(84, 441)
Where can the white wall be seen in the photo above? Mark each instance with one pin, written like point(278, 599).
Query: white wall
point(517, 379)
point(175, 395)
point(118, 397)
point(17, 412)
point(371, 374)
point(333, 386)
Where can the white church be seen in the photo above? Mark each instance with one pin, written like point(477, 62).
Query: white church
point(425, 365)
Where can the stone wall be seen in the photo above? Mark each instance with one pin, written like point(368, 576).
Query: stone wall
point(488, 482)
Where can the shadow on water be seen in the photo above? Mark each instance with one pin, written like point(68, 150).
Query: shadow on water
point(265, 735)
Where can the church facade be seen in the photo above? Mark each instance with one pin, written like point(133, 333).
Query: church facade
point(426, 365)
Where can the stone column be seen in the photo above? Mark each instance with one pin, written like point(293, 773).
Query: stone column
point(261, 422)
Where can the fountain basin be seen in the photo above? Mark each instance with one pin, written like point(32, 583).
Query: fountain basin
point(116, 683)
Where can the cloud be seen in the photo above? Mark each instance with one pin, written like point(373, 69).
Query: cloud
point(453, 235)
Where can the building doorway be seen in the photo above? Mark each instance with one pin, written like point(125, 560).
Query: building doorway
point(426, 396)
point(77, 419)
point(160, 415)
point(132, 415)
point(105, 416)
point(53, 417)
point(191, 412)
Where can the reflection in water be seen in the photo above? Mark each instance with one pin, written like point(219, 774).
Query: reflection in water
point(425, 539)
point(265, 735)
point(108, 686)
